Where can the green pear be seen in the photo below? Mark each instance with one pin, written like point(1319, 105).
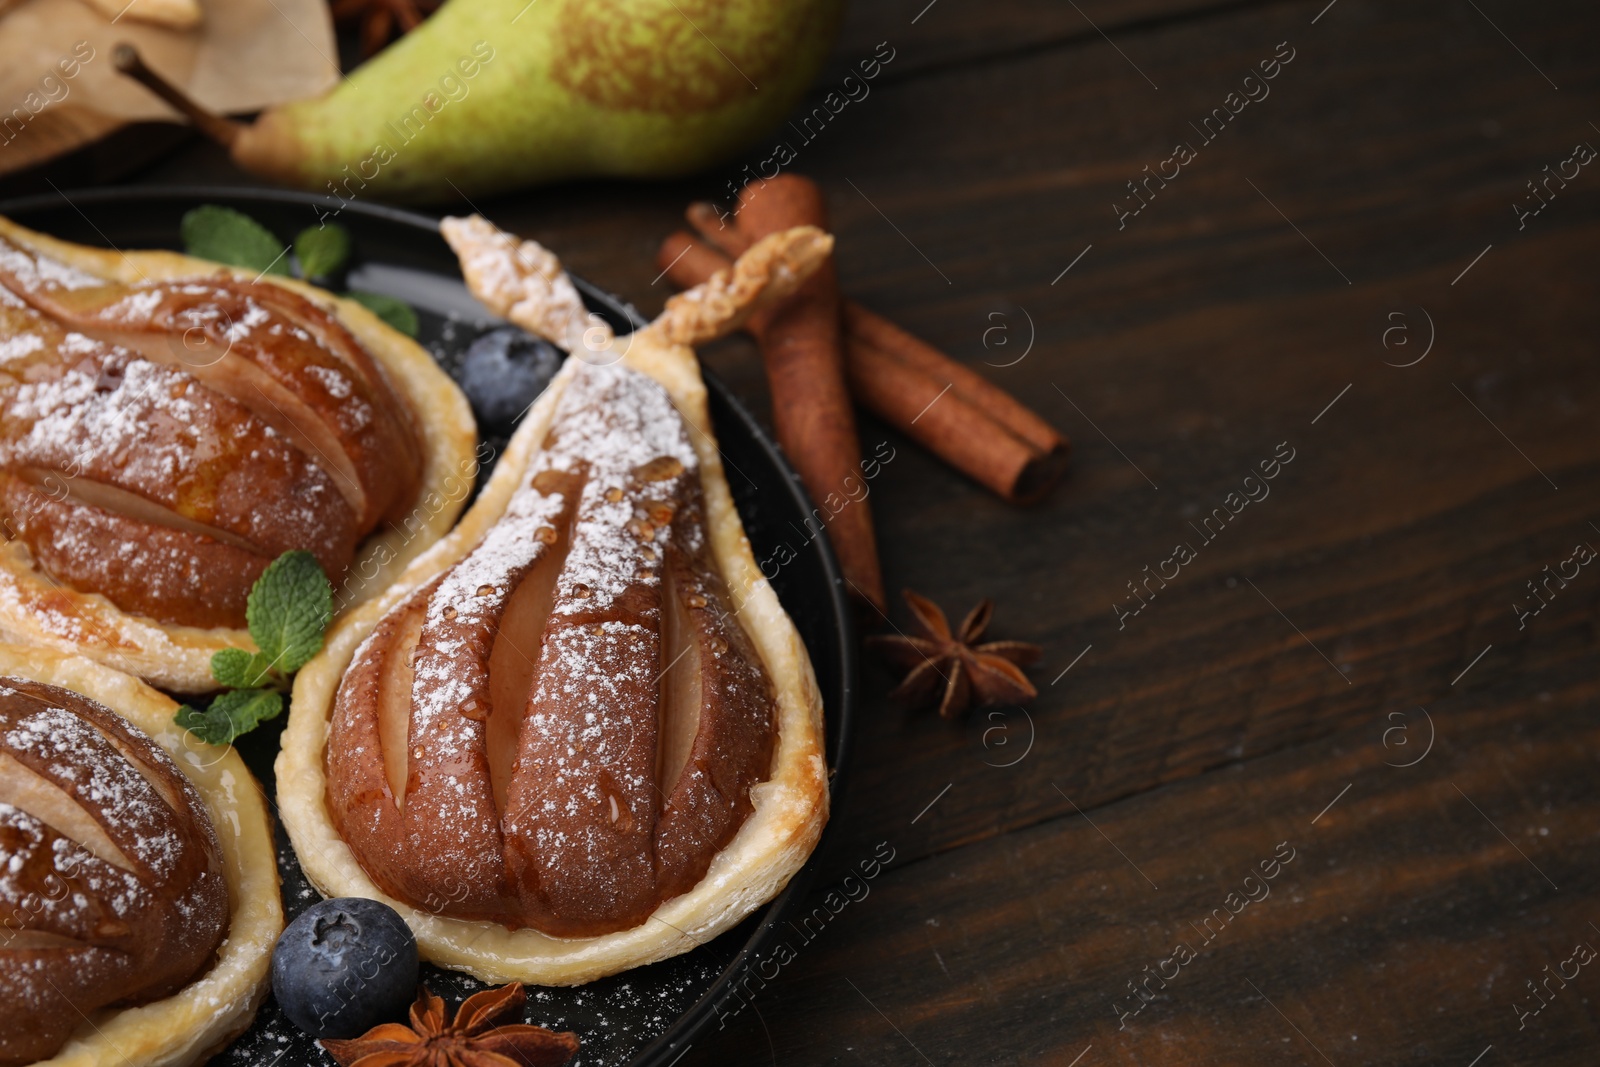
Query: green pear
point(490, 95)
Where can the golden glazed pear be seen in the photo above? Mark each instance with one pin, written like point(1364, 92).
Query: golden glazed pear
point(494, 94)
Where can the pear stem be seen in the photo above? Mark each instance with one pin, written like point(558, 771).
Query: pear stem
point(220, 129)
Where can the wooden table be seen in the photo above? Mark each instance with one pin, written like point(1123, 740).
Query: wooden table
point(1340, 674)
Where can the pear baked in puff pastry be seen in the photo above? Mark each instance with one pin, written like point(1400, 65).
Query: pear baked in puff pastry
point(138, 884)
point(580, 734)
point(169, 426)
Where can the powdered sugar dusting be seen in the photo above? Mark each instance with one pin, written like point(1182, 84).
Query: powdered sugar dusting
point(107, 858)
point(525, 282)
point(76, 757)
point(610, 422)
point(335, 382)
point(37, 272)
point(613, 469)
point(88, 408)
point(19, 346)
point(621, 422)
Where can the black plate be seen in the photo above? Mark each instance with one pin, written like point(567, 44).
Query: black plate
point(649, 1016)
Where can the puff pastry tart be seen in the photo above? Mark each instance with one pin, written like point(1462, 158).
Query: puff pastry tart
point(580, 734)
point(138, 888)
point(168, 427)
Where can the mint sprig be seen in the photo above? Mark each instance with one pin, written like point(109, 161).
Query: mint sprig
point(288, 610)
point(321, 250)
point(211, 231)
point(396, 313)
point(231, 715)
point(224, 235)
point(238, 669)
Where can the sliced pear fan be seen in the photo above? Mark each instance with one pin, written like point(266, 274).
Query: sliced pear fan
point(168, 427)
point(580, 734)
point(86, 784)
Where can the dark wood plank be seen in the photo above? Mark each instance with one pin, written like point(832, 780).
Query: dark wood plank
point(947, 33)
point(1402, 931)
point(1396, 541)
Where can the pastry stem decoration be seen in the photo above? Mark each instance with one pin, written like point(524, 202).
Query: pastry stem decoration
point(957, 414)
point(953, 665)
point(486, 1032)
point(524, 282)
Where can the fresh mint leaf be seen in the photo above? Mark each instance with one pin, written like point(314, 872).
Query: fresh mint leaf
point(321, 250)
point(288, 608)
point(287, 611)
point(228, 236)
point(231, 715)
point(238, 669)
point(396, 313)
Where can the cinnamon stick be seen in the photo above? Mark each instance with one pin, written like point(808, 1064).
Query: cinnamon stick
point(925, 407)
point(946, 423)
point(875, 331)
point(802, 347)
point(865, 329)
point(708, 220)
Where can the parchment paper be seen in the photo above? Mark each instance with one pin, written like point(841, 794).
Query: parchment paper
point(246, 55)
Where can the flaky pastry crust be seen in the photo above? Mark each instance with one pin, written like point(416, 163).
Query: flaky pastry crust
point(39, 611)
point(217, 1007)
point(789, 808)
point(524, 282)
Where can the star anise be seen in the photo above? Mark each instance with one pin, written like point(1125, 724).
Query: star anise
point(378, 18)
point(476, 1038)
point(988, 673)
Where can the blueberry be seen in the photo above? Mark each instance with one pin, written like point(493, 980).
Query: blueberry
point(504, 371)
point(344, 966)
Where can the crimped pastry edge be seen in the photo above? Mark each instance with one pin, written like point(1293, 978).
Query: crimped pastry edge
point(217, 1007)
point(38, 611)
point(790, 808)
